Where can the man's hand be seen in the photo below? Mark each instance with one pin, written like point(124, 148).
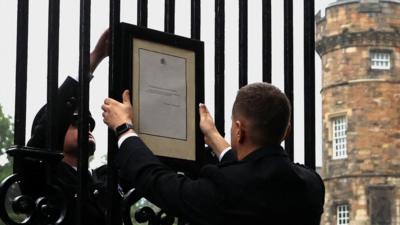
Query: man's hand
point(211, 135)
point(207, 125)
point(101, 50)
point(116, 113)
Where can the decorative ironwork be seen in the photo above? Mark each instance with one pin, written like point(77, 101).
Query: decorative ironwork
point(144, 214)
point(30, 196)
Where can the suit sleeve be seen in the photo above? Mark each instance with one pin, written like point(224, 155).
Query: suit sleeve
point(196, 200)
point(229, 156)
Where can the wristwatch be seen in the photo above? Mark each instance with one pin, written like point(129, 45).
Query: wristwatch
point(121, 129)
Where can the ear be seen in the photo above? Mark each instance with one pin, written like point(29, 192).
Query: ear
point(240, 131)
point(287, 132)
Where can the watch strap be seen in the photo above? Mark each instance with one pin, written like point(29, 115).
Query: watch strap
point(121, 129)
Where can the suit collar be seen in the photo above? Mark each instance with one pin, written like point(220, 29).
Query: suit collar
point(266, 151)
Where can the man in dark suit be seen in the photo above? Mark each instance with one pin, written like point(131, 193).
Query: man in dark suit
point(66, 175)
point(255, 182)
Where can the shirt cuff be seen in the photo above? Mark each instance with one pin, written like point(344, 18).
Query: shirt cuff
point(76, 77)
point(125, 136)
point(223, 153)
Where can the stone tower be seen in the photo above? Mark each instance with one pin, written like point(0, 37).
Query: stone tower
point(359, 45)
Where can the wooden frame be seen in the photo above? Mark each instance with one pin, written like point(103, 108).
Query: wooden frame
point(165, 74)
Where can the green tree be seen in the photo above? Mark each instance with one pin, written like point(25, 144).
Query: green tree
point(6, 131)
point(6, 140)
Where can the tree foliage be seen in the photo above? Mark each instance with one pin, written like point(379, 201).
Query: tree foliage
point(6, 131)
point(6, 140)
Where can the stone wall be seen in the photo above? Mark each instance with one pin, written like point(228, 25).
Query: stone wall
point(360, 193)
point(356, 17)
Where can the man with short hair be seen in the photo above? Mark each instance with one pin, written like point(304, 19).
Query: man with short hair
point(255, 182)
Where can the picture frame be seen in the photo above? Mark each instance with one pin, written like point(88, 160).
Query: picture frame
point(165, 75)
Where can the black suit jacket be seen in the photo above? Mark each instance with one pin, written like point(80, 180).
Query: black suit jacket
point(67, 179)
point(263, 188)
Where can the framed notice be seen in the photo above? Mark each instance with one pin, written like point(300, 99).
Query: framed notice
point(165, 75)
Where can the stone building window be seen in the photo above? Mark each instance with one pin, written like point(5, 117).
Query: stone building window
point(339, 136)
point(380, 60)
point(342, 214)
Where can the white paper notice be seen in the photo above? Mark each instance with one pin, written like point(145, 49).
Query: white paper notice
point(162, 95)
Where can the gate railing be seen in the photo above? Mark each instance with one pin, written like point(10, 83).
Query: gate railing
point(169, 26)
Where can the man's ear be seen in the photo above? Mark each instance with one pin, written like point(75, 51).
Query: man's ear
point(287, 131)
point(240, 131)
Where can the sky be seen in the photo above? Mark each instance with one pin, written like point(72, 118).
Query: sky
point(69, 55)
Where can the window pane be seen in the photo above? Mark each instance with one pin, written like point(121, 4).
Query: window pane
point(380, 60)
point(343, 214)
point(339, 126)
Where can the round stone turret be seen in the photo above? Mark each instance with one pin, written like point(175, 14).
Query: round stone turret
point(359, 45)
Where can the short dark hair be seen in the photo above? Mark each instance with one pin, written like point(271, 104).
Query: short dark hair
point(266, 108)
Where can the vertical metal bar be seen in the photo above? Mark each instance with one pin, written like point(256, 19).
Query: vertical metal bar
point(21, 73)
point(309, 83)
point(267, 42)
point(195, 19)
point(169, 16)
point(220, 65)
point(288, 64)
point(84, 67)
point(52, 73)
point(243, 43)
point(112, 186)
point(142, 13)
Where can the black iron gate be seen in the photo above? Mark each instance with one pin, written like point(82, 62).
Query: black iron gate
point(20, 152)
